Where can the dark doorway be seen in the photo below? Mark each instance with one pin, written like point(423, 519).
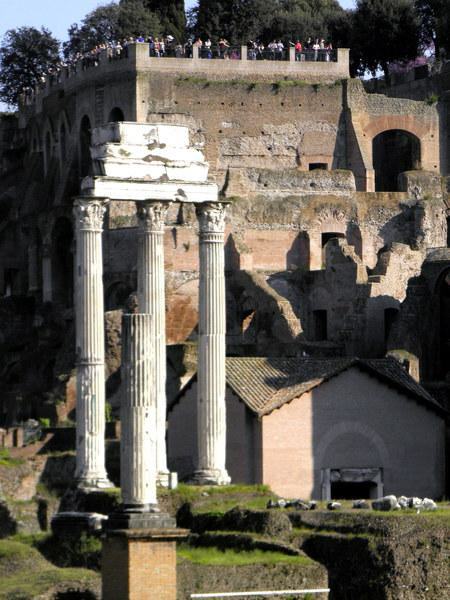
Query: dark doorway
point(320, 325)
point(389, 317)
point(353, 490)
point(85, 146)
point(394, 152)
point(326, 237)
point(117, 295)
point(318, 166)
point(116, 115)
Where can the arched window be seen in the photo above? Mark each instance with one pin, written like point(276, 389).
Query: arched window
point(394, 151)
point(116, 115)
point(85, 146)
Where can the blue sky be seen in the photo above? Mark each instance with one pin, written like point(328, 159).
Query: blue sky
point(57, 15)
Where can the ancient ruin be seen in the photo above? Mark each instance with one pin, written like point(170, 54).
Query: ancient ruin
point(256, 210)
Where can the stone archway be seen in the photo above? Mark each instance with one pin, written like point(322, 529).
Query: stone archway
point(394, 151)
point(116, 115)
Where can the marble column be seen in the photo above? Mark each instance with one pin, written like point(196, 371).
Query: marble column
point(151, 299)
point(211, 413)
point(90, 343)
point(138, 414)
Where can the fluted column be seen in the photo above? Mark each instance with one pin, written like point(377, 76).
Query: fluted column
point(90, 344)
point(138, 414)
point(151, 298)
point(211, 413)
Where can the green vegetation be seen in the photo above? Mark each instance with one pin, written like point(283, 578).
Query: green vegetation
point(217, 500)
point(432, 99)
point(7, 461)
point(24, 573)
point(26, 53)
point(229, 557)
point(44, 422)
point(172, 16)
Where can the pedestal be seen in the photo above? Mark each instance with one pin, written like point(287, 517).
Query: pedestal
point(140, 564)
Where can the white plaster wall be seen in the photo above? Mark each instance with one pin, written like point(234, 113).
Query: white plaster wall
point(354, 421)
point(241, 458)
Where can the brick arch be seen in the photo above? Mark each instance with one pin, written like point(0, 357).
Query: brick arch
point(394, 151)
point(355, 427)
point(408, 123)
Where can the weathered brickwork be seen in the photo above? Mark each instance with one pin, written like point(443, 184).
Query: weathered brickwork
point(138, 566)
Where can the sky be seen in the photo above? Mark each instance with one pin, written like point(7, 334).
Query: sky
point(58, 15)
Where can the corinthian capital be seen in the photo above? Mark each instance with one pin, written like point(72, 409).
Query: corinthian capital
point(211, 217)
point(152, 215)
point(89, 213)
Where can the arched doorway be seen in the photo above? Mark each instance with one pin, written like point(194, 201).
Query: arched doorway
point(444, 325)
point(85, 146)
point(394, 151)
point(116, 115)
point(62, 262)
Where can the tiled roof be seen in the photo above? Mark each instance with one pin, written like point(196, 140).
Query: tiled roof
point(265, 384)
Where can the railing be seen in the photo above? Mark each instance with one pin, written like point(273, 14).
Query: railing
point(242, 59)
point(265, 594)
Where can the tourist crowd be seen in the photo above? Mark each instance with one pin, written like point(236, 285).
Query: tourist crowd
point(160, 47)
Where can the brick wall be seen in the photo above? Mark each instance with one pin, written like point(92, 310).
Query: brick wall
point(138, 569)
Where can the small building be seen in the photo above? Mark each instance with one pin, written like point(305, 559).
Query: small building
point(321, 428)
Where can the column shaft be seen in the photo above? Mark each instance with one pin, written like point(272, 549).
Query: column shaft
point(90, 344)
point(151, 297)
point(211, 411)
point(138, 413)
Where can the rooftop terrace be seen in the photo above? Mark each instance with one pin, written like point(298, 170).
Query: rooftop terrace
point(307, 66)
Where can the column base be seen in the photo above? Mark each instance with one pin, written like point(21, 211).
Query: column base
point(138, 519)
point(93, 483)
point(140, 564)
point(167, 479)
point(210, 477)
point(162, 479)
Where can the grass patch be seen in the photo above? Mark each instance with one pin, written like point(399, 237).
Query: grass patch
point(7, 461)
point(277, 86)
point(215, 556)
point(24, 572)
point(28, 585)
point(217, 499)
